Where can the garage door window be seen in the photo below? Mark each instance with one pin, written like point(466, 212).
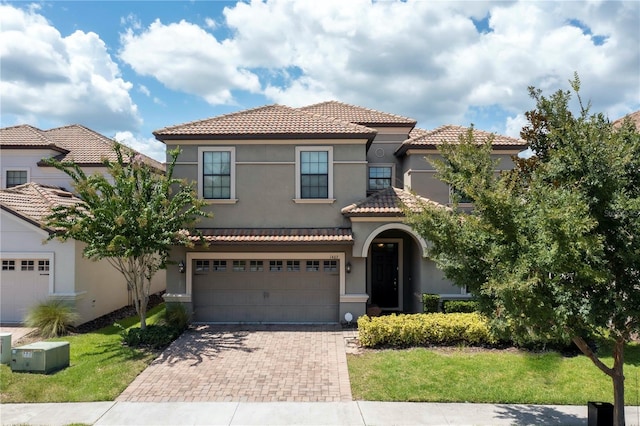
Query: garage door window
point(330, 266)
point(239, 265)
point(27, 265)
point(219, 265)
point(256, 266)
point(8, 265)
point(202, 266)
point(313, 265)
point(275, 266)
point(43, 265)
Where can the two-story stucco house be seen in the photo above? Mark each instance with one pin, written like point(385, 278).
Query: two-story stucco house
point(32, 271)
point(307, 223)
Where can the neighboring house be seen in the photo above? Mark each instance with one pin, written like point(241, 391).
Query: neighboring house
point(31, 270)
point(307, 223)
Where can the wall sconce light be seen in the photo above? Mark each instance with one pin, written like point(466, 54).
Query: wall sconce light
point(347, 267)
point(181, 267)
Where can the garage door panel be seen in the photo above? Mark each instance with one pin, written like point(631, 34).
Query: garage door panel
point(266, 296)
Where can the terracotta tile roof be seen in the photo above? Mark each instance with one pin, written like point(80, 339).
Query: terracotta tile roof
point(74, 142)
point(358, 115)
point(387, 203)
point(417, 132)
point(25, 136)
point(634, 116)
point(267, 122)
point(33, 202)
point(275, 235)
point(451, 134)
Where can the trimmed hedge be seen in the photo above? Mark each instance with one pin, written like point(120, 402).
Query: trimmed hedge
point(459, 306)
point(424, 330)
point(430, 302)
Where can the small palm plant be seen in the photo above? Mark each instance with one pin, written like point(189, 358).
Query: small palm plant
point(52, 318)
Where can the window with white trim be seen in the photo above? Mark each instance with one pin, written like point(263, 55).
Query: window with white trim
point(256, 266)
point(8, 265)
point(314, 173)
point(27, 265)
point(330, 266)
point(216, 173)
point(293, 266)
point(202, 265)
point(16, 177)
point(218, 265)
point(313, 265)
point(275, 266)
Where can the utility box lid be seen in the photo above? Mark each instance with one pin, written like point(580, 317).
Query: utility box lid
point(40, 357)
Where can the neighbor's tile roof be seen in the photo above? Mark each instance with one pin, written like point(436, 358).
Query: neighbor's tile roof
point(358, 115)
point(634, 116)
point(271, 121)
point(33, 202)
point(451, 134)
point(275, 235)
point(74, 142)
point(388, 202)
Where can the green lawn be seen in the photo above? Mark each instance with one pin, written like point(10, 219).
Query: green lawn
point(100, 369)
point(461, 375)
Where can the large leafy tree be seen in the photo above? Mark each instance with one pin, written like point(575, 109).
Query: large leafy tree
point(131, 216)
point(552, 248)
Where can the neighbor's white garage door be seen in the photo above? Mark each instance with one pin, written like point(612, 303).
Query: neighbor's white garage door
point(23, 284)
point(266, 290)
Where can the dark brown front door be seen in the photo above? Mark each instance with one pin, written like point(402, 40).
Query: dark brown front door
point(384, 275)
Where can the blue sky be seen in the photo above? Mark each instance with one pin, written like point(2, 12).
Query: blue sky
point(126, 68)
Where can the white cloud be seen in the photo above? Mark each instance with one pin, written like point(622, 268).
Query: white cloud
point(185, 57)
point(514, 125)
point(57, 79)
point(149, 146)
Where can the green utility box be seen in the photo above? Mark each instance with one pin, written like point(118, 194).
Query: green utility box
point(41, 357)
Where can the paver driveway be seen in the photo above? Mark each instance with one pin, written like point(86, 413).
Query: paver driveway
point(248, 363)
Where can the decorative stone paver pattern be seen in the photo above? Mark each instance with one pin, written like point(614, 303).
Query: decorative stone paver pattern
point(248, 363)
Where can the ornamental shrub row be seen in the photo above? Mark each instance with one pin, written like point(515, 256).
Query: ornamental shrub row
point(462, 306)
point(424, 329)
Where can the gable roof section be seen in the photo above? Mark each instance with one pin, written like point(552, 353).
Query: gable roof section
point(26, 137)
point(33, 202)
point(388, 202)
point(451, 134)
point(274, 235)
point(359, 115)
point(267, 122)
point(74, 143)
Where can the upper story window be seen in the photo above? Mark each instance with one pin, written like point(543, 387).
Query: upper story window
point(216, 170)
point(314, 173)
point(380, 177)
point(16, 177)
point(456, 195)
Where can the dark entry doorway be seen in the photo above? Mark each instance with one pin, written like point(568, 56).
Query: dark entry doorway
point(385, 275)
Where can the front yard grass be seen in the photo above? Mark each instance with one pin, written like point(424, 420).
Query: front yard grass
point(100, 368)
point(487, 376)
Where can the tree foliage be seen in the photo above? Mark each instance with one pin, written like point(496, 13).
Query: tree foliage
point(131, 216)
point(552, 248)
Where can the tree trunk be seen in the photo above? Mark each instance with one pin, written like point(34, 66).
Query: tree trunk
point(618, 382)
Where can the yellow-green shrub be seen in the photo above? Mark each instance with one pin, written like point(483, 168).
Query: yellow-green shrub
point(424, 329)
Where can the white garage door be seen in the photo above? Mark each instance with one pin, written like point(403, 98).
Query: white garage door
point(266, 290)
point(23, 284)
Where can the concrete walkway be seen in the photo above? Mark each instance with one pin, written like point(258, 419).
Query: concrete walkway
point(248, 364)
point(296, 413)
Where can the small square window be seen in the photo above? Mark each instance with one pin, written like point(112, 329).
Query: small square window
point(313, 265)
point(379, 178)
point(239, 265)
point(256, 266)
point(8, 265)
point(330, 266)
point(43, 265)
point(219, 265)
point(202, 266)
point(293, 266)
point(16, 177)
point(27, 265)
point(275, 265)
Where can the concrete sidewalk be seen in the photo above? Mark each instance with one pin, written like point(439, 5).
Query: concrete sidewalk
point(296, 413)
